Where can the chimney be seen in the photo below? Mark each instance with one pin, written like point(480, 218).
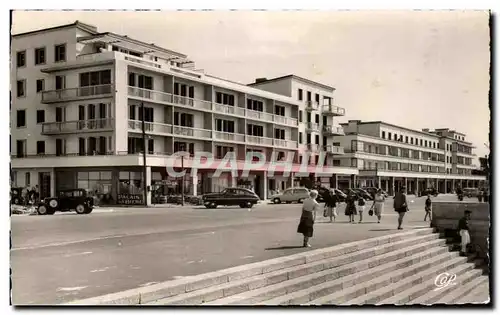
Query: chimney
point(260, 80)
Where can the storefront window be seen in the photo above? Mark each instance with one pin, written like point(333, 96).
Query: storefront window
point(130, 183)
point(97, 184)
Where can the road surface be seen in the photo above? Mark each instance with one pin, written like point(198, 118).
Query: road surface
point(64, 257)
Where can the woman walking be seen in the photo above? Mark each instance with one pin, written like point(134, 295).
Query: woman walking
point(400, 206)
point(361, 208)
point(331, 204)
point(428, 205)
point(378, 204)
point(309, 208)
point(350, 207)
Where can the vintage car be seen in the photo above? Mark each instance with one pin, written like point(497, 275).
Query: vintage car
point(68, 200)
point(245, 198)
point(296, 194)
point(16, 197)
point(429, 191)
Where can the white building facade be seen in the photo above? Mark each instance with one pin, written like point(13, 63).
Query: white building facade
point(390, 157)
point(76, 119)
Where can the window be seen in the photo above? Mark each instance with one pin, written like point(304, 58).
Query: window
point(60, 82)
point(317, 118)
point(40, 56)
point(182, 119)
point(60, 147)
point(255, 105)
point(425, 143)
point(279, 110)
point(60, 53)
point(81, 146)
point(406, 139)
point(40, 147)
point(300, 137)
point(317, 98)
point(183, 90)
point(390, 136)
point(325, 121)
point(40, 116)
point(60, 114)
point(309, 96)
point(279, 134)
point(383, 134)
point(316, 139)
point(301, 96)
point(420, 142)
point(21, 85)
point(21, 118)
point(131, 112)
point(40, 85)
point(255, 130)
point(308, 137)
point(21, 58)
point(224, 125)
point(336, 162)
point(21, 148)
point(221, 151)
point(411, 140)
point(308, 117)
point(151, 146)
point(300, 116)
point(27, 179)
point(103, 77)
point(223, 98)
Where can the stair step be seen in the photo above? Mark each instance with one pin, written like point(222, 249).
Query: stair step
point(358, 269)
point(404, 280)
point(434, 295)
point(479, 295)
point(456, 295)
point(424, 282)
point(321, 269)
point(357, 279)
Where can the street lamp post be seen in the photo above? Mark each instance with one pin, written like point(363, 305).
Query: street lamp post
point(144, 167)
point(182, 188)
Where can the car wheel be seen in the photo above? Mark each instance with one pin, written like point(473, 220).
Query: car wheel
point(277, 200)
point(300, 200)
point(80, 209)
point(242, 206)
point(213, 205)
point(51, 211)
point(16, 201)
point(249, 205)
point(42, 210)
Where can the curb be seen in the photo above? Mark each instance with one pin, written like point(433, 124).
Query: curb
point(191, 283)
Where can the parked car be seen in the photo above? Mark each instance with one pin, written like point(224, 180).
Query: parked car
point(68, 200)
point(373, 190)
point(245, 198)
point(341, 197)
point(16, 197)
point(363, 193)
point(295, 194)
point(430, 191)
point(470, 192)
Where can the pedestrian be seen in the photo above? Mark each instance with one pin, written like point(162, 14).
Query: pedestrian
point(486, 197)
point(400, 206)
point(309, 208)
point(378, 204)
point(428, 205)
point(331, 205)
point(480, 195)
point(350, 207)
point(463, 228)
point(361, 208)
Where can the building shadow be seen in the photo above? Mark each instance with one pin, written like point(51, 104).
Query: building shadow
point(284, 247)
point(381, 230)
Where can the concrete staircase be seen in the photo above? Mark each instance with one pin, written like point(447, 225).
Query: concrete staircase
point(394, 269)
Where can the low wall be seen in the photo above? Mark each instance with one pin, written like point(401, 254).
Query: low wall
point(445, 217)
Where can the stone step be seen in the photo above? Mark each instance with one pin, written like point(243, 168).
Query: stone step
point(312, 273)
point(424, 282)
point(455, 296)
point(479, 295)
point(403, 281)
point(171, 288)
point(434, 295)
point(346, 283)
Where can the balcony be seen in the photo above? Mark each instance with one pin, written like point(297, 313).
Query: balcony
point(260, 140)
point(335, 150)
point(332, 110)
point(312, 127)
point(257, 115)
point(229, 136)
point(310, 106)
point(77, 126)
point(286, 120)
point(288, 144)
point(333, 131)
point(166, 129)
point(80, 93)
point(229, 110)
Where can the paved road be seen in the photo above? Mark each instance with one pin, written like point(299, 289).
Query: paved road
point(64, 257)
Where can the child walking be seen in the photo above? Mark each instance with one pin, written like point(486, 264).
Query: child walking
point(428, 205)
point(463, 228)
point(361, 208)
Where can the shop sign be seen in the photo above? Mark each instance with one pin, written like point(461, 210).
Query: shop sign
point(129, 199)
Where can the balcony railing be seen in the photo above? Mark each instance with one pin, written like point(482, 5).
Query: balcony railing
point(259, 140)
point(77, 126)
point(310, 105)
point(312, 126)
point(229, 136)
point(154, 127)
point(191, 102)
point(192, 132)
point(333, 110)
point(227, 109)
point(83, 92)
point(289, 144)
point(286, 120)
point(333, 130)
point(313, 147)
point(332, 149)
point(253, 114)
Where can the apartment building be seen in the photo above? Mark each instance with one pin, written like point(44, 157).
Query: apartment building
point(76, 118)
point(390, 156)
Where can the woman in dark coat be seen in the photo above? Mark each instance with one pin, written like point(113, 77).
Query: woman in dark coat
point(350, 207)
point(309, 208)
point(331, 205)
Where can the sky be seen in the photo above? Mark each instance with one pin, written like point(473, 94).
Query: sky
point(417, 69)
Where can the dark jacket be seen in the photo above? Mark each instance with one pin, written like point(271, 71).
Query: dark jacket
point(331, 200)
point(463, 224)
point(400, 202)
point(428, 203)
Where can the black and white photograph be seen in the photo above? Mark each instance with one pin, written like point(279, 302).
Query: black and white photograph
point(250, 157)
